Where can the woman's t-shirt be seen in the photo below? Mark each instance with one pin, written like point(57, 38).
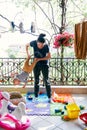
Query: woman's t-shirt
point(40, 53)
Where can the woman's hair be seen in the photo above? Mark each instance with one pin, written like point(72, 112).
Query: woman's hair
point(41, 38)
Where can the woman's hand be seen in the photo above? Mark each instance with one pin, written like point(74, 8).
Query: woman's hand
point(36, 59)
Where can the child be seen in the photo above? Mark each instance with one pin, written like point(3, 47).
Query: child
point(23, 76)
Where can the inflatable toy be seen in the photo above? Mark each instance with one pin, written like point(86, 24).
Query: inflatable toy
point(83, 117)
point(12, 117)
point(2, 96)
point(65, 118)
point(9, 122)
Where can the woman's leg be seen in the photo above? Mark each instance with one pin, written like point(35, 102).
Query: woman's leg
point(45, 72)
point(36, 80)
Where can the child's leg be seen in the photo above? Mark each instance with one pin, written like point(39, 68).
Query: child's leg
point(24, 85)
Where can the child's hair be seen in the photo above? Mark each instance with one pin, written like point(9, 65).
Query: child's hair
point(41, 38)
point(16, 81)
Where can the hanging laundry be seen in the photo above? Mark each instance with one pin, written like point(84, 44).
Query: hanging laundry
point(80, 45)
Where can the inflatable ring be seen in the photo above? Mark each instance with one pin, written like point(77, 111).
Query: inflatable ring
point(83, 117)
point(5, 123)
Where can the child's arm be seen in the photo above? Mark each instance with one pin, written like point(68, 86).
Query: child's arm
point(27, 50)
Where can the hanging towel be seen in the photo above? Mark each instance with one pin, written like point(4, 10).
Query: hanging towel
point(80, 45)
point(84, 40)
point(77, 39)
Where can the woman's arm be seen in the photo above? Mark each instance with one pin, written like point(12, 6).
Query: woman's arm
point(47, 57)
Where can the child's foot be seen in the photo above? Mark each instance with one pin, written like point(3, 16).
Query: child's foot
point(24, 86)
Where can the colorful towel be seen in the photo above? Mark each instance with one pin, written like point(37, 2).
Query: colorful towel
point(62, 98)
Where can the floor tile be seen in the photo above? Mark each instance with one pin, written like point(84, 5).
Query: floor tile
point(56, 128)
point(44, 125)
point(30, 128)
point(35, 120)
point(79, 97)
point(71, 125)
point(56, 120)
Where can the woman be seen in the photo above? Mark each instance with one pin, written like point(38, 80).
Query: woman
point(42, 54)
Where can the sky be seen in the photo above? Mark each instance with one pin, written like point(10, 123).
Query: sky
point(16, 39)
point(12, 13)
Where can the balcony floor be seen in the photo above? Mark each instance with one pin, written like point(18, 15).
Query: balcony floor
point(79, 93)
point(56, 123)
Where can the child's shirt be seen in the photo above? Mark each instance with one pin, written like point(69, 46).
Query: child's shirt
point(29, 67)
point(23, 76)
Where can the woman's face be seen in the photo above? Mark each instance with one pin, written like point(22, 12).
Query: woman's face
point(40, 45)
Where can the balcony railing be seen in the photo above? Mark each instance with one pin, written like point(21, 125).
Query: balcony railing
point(72, 71)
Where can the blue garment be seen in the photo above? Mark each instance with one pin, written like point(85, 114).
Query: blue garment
point(40, 53)
point(23, 76)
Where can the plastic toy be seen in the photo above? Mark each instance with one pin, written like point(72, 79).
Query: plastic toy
point(4, 102)
point(73, 111)
point(58, 110)
point(30, 98)
point(81, 107)
point(18, 125)
point(56, 98)
point(61, 98)
point(83, 117)
point(62, 113)
point(13, 121)
point(65, 108)
point(65, 118)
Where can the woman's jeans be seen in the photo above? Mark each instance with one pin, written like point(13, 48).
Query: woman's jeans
point(45, 72)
